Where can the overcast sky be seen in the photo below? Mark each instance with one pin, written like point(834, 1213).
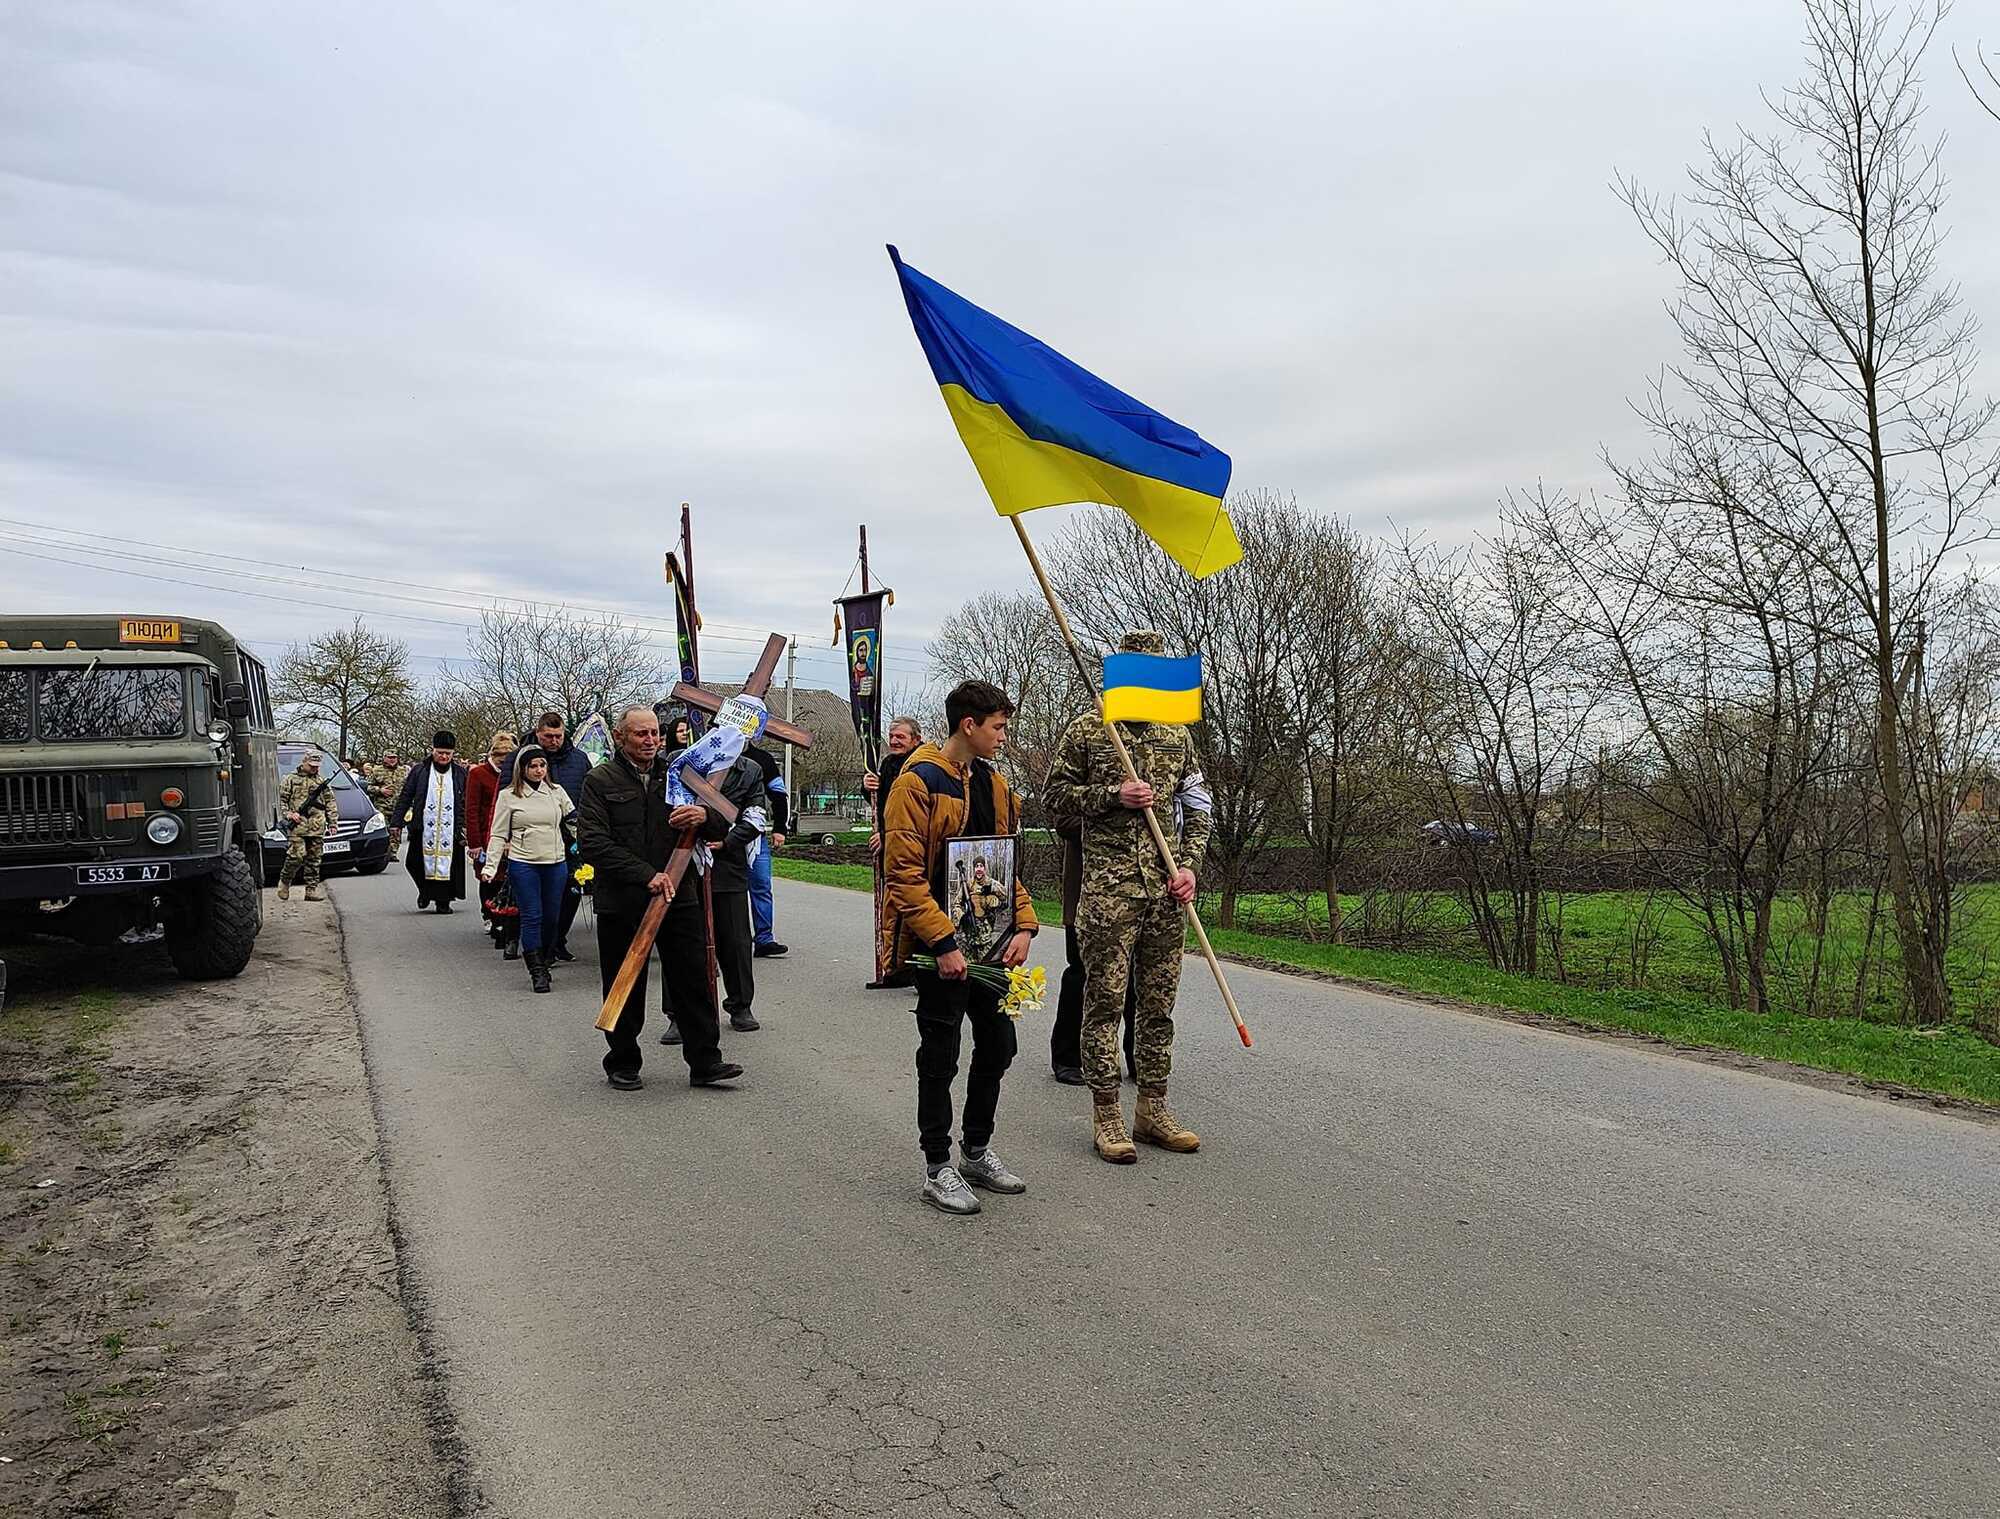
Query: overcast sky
point(473, 295)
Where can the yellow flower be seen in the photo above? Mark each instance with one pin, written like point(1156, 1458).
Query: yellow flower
point(585, 874)
point(1025, 991)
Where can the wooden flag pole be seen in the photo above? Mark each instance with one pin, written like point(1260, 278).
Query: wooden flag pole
point(1131, 773)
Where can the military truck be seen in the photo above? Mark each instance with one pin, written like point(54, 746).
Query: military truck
point(138, 767)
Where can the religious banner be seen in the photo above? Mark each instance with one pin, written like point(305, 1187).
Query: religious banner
point(861, 617)
point(594, 739)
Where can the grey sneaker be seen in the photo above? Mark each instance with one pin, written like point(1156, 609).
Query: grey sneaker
point(990, 1171)
point(948, 1193)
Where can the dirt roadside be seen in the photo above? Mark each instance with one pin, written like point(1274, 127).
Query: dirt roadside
point(199, 1287)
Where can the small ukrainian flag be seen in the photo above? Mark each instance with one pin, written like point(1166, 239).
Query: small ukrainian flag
point(1152, 688)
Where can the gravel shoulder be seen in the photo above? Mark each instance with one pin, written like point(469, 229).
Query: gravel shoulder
point(197, 1270)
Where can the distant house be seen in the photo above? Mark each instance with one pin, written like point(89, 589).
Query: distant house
point(831, 771)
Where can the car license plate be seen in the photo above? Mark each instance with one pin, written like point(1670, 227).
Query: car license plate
point(335, 846)
point(121, 875)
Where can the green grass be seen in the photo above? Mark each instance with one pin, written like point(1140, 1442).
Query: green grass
point(1600, 930)
point(1953, 1061)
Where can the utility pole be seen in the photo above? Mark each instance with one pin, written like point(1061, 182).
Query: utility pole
point(791, 684)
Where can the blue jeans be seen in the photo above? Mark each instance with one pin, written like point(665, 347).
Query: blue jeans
point(538, 893)
point(760, 894)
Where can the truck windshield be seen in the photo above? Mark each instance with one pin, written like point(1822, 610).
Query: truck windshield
point(111, 702)
point(13, 706)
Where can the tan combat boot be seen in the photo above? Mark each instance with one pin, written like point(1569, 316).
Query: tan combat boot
point(314, 894)
point(284, 890)
point(1112, 1142)
point(1155, 1122)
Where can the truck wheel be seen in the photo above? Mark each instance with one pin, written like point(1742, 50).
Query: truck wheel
point(212, 926)
point(372, 867)
point(828, 840)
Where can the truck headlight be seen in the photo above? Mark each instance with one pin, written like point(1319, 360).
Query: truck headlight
point(163, 828)
point(376, 823)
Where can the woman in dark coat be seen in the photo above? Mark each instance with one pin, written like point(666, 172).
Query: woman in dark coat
point(431, 811)
point(483, 784)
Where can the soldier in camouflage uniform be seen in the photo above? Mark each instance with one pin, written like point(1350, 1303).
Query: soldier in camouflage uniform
point(1129, 919)
point(384, 783)
point(306, 801)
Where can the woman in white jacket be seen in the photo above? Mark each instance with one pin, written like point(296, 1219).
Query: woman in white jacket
point(528, 819)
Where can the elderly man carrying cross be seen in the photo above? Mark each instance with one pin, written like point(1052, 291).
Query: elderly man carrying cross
point(627, 830)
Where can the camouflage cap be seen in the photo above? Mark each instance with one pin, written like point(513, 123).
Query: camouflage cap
point(1142, 641)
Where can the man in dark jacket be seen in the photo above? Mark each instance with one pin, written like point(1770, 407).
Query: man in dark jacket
point(627, 830)
point(568, 765)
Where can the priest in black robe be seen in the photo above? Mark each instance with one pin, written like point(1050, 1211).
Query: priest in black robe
point(431, 813)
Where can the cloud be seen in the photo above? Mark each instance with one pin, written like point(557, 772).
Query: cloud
point(475, 295)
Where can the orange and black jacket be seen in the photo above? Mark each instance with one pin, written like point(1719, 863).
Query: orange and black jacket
point(934, 801)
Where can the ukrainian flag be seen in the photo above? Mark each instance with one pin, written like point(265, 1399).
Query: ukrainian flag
point(1043, 431)
point(1151, 688)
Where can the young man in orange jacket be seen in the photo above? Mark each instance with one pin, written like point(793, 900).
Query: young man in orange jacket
point(944, 792)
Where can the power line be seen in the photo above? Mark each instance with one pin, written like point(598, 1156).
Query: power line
point(112, 569)
point(449, 591)
point(651, 625)
point(658, 638)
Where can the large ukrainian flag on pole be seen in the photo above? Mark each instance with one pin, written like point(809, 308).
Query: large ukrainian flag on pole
point(1043, 431)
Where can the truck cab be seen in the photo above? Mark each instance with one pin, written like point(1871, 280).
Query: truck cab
point(138, 767)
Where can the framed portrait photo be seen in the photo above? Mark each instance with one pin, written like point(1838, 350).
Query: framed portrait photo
point(979, 894)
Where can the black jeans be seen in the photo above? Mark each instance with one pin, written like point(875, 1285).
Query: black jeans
point(735, 950)
point(1066, 1031)
point(941, 1007)
point(683, 950)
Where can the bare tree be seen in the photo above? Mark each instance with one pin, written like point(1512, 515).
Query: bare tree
point(832, 768)
point(1987, 94)
point(1714, 644)
point(1254, 628)
point(1949, 730)
point(1823, 343)
point(342, 678)
point(1345, 692)
point(523, 663)
point(1506, 718)
point(1011, 640)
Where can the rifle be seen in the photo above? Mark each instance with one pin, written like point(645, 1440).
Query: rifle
point(312, 800)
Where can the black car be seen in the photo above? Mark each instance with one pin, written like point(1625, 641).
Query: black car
point(359, 841)
point(1444, 833)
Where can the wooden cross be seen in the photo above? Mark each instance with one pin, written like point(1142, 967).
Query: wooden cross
point(684, 848)
point(758, 683)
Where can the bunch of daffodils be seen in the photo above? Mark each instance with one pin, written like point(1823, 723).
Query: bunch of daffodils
point(1021, 990)
point(585, 874)
point(1027, 990)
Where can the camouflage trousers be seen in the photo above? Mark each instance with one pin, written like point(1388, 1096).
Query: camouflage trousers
point(301, 859)
point(1124, 940)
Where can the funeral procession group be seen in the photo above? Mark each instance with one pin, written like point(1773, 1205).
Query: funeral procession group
point(667, 815)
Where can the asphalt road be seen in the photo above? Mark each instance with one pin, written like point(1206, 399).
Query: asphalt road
point(1425, 1264)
